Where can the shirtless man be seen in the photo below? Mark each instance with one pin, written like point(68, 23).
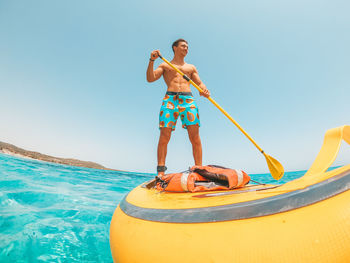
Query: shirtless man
point(178, 102)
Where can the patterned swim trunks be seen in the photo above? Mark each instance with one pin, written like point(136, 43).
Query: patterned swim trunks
point(178, 104)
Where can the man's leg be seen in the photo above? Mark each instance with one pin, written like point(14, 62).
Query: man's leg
point(193, 134)
point(164, 138)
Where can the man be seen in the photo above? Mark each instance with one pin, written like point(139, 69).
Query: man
point(178, 102)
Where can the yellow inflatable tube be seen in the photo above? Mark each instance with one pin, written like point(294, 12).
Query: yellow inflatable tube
point(305, 220)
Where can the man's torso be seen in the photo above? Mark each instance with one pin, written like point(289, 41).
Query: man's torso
point(174, 80)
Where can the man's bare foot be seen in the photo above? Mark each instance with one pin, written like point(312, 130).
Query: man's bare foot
point(161, 171)
point(160, 175)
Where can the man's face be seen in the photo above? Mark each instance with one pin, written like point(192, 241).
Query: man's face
point(182, 48)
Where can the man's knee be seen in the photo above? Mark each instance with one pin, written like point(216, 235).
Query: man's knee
point(164, 137)
point(195, 139)
point(194, 135)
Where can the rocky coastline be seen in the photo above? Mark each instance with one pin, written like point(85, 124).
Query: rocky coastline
point(13, 150)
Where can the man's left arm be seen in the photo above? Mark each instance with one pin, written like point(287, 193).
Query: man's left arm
point(197, 80)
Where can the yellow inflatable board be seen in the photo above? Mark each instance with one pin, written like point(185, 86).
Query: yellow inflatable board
point(305, 220)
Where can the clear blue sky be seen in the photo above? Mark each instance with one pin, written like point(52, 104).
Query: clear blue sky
point(72, 78)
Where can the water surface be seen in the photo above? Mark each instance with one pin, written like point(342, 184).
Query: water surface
point(58, 213)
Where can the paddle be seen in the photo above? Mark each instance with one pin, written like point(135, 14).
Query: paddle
point(276, 169)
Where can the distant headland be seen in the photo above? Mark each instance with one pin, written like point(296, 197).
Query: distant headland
point(13, 150)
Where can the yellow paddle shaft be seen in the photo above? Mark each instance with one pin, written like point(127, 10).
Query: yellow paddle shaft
point(216, 105)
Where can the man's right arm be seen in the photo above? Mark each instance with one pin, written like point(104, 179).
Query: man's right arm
point(153, 75)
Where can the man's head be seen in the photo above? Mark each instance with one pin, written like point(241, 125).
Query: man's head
point(181, 46)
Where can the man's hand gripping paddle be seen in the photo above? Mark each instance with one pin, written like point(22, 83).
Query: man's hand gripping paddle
point(276, 169)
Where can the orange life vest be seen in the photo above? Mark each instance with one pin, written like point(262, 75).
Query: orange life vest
point(203, 178)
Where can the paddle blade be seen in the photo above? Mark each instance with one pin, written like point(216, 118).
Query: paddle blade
point(275, 167)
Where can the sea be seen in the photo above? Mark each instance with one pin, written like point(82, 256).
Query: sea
point(58, 213)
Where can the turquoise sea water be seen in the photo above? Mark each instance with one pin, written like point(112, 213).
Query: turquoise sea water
point(58, 213)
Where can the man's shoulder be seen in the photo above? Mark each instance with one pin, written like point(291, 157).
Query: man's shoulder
point(163, 65)
point(190, 66)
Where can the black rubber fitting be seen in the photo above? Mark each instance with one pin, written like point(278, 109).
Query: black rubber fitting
point(161, 168)
point(186, 78)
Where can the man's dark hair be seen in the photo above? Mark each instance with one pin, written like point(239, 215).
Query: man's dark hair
point(176, 43)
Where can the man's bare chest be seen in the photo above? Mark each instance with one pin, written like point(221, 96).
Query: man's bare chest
point(170, 72)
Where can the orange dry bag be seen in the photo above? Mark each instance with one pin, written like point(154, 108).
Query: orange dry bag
point(204, 178)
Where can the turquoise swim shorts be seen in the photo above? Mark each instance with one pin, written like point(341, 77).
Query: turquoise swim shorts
point(177, 105)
